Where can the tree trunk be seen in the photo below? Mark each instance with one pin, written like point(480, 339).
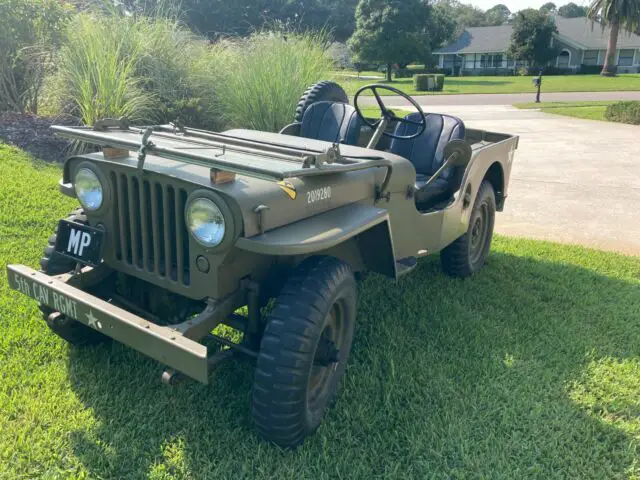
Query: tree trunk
point(609, 68)
point(389, 79)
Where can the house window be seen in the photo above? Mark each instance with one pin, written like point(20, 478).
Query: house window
point(563, 59)
point(590, 57)
point(448, 61)
point(469, 61)
point(626, 58)
point(491, 60)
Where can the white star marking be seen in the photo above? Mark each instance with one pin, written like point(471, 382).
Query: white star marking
point(93, 321)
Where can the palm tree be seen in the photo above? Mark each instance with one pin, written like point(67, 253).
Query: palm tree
point(615, 14)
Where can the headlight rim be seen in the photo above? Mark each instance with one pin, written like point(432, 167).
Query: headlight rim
point(230, 233)
point(106, 191)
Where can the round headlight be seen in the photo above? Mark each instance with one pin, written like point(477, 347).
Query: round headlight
point(88, 189)
point(205, 222)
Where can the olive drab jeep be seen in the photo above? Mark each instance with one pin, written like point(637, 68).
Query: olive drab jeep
point(181, 230)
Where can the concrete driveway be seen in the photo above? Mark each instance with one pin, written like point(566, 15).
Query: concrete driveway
point(573, 181)
point(504, 98)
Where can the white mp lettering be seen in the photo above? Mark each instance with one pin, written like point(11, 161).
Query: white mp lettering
point(74, 241)
point(84, 242)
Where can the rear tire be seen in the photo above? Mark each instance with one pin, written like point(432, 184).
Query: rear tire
point(66, 328)
point(312, 324)
point(320, 92)
point(468, 253)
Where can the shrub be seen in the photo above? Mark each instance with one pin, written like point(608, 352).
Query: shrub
point(30, 30)
point(265, 75)
point(624, 112)
point(422, 81)
point(404, 73)
point(410, 72)
point(439, 82)
point(146, 69)
point(590, 69)
point(96, 72)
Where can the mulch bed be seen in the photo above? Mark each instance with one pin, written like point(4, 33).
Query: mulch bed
point(32, 133)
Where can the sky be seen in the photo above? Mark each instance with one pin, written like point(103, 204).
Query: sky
point(515, 5)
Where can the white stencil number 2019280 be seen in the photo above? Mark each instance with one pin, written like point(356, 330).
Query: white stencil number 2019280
point(318, 194)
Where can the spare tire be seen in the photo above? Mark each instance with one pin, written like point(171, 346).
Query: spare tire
point(325, 91)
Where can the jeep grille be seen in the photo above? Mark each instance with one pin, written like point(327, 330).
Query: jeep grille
point(149, 229)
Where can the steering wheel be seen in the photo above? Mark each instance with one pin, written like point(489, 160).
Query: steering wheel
point(387, 114)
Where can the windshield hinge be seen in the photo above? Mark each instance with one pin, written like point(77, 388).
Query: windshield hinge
point(145, 145)
point(330, 155)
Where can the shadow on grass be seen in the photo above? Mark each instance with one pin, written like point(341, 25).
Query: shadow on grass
point(448, 378)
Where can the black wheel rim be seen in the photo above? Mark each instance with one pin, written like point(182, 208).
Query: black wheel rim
point(479, 232)
point(320, 377)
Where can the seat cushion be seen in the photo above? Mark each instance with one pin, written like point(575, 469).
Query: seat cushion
point(426, 153)
point(331, 122)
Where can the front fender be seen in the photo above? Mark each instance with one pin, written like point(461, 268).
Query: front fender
point(367, 225)
point(317, 233)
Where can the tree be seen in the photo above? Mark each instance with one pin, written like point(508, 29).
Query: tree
point(498, 15)
point(571, 10)
point(391, 31)
point(464, 15)
point(221, 18)
point(531, 38)
point(548, 7)
point(615, 14)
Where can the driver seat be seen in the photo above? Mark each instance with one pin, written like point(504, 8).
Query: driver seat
point(332, 122)
point(425, 152)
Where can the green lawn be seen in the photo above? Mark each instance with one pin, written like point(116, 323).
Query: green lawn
point(589, 110)
point(531, 369)
point(515, 84)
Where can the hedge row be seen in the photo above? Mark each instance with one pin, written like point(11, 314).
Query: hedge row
point(428, 81)
point(624, 112)
point(410, 72)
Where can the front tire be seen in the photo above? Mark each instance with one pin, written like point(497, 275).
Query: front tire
point(469, 253)
point(66, 328)
point(304, 351)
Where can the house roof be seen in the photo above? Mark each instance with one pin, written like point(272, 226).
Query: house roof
point(591, 36)
point(481, 40)
point(576, 31)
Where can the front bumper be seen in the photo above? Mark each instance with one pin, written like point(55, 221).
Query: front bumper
point(165, 344)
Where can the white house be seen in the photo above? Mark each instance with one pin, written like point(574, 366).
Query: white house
point(482, 49)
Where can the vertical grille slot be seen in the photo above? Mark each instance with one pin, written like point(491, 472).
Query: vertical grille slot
point(134, 221)
point(167, 223)
point(149, 231)
point(123, 218)
point(145, 226)
point(156, 212)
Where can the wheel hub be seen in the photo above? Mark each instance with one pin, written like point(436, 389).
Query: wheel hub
point(326, 353)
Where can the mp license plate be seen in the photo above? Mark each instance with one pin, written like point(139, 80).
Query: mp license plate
point(79, 242)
